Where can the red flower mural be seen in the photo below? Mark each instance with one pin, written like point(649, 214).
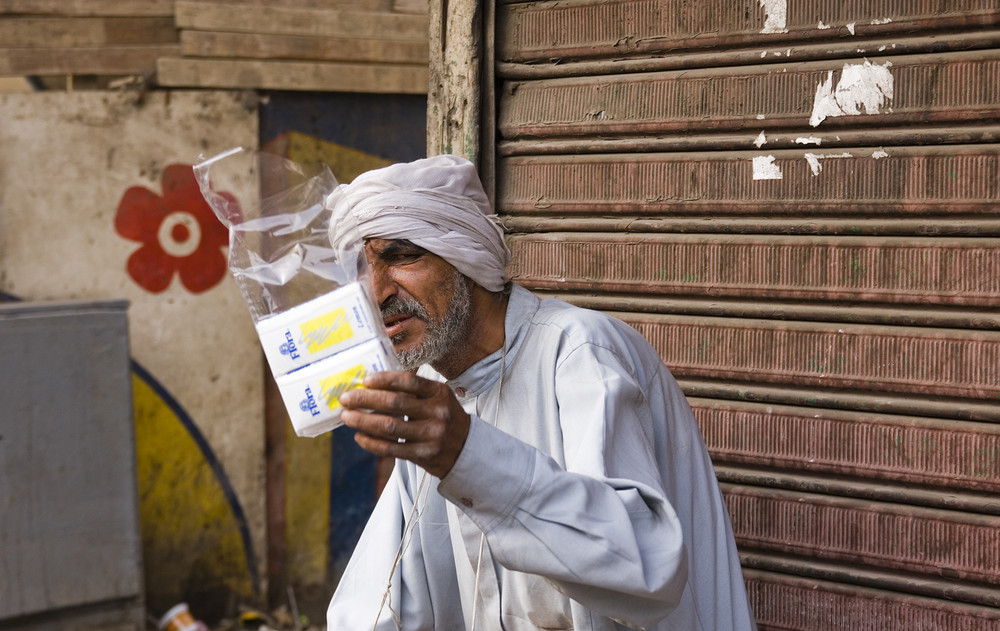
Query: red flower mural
point(178, 232)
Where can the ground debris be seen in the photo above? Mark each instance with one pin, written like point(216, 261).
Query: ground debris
point(280, 619)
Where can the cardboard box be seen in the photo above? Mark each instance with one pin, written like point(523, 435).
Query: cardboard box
point(311, 394)
point(318, 328)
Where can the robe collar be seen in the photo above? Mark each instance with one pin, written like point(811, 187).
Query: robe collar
point(484, 374)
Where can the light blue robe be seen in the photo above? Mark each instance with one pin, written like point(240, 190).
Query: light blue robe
point(596, 495)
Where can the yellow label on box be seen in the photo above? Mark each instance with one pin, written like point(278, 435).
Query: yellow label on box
point(332, 387)
point(327, 330)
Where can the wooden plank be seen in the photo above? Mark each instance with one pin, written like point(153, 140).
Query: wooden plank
point(926, 541)
point(859, 358)
point(945, 180)
point(931, 452)
point(543, 31)
point(739, 140)
point(96, 61)
point(265, 46)
point(793, 603)
point(877, 578)
point(919, 315)
point(872, 490)
point(901, 270)
point(355, 5)
point(906, 89)
point(410, 6)
point(419, 7)
point(454, 94)
point(45, 32)
point(295, 21)
point(148, 8)
point(779, 56)
point(321, 77)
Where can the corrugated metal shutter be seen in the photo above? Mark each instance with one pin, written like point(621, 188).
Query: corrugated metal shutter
point(797, 203)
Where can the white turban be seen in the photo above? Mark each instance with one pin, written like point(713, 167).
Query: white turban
point(435, 203)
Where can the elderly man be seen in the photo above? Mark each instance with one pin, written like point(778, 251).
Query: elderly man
point(549, 472)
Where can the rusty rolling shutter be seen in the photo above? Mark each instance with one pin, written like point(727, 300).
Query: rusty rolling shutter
point(798, 204)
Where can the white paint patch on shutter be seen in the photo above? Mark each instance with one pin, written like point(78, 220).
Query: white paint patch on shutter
point(864, 88)
point(764, 168)
point(776, 12)
point(815, 159)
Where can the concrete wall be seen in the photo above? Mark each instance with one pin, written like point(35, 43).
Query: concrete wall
point(96, 202)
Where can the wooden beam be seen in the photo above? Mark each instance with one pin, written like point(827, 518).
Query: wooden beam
point(453, 102)
point(264, 46)
point(410, 6)
point(254, 18)
point(45, 32)
point(290, 75)
point(355, 5)
point(96, 61)
point(147, 8)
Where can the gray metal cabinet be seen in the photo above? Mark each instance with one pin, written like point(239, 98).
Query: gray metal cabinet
point(70, 545)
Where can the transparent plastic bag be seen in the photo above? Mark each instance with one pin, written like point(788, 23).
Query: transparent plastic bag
point(311, 302)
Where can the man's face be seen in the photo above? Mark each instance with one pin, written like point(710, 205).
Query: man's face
point(425, 301)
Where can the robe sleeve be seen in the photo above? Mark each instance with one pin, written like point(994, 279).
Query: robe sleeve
point(600, 529)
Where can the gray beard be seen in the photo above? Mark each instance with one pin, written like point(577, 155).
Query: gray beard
point(443, 335)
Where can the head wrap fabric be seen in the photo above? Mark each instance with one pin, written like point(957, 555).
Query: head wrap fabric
point(436, 203)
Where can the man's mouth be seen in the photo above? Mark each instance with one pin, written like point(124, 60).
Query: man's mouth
point(395, 320)
point(397, 313)
point(395, 323)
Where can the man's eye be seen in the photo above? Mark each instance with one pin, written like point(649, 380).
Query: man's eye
point(406, 257)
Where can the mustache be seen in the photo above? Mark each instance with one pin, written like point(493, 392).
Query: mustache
point(399, 305)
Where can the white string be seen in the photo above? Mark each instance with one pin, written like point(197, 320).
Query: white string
point(414, 517)
point(404, 543)
point(482, 537)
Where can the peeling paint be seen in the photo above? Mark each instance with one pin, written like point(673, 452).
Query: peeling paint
point(879, 153)
point(809, 140)
point(850, 27)
point(764, 168)
point(814, 160)
point(863, 88)
point(823, 26)
point(775, 12)
point(814, 164)
point(761, 140)
point(882, 21)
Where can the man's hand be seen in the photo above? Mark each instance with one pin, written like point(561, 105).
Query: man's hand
point(433, 434)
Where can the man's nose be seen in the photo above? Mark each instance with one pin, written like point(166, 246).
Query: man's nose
point(382, 282)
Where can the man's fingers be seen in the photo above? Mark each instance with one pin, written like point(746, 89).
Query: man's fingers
point(381, 426)
point(435, 425)
point(384, 401)
point(390, 392)
point(401, 381)
point(377, 425)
